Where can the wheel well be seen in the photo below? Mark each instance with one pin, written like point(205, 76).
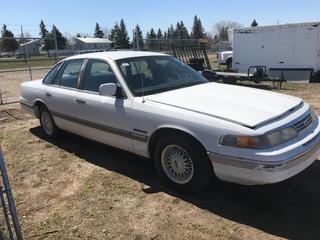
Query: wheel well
point(165, 132)
point(229, 60)
point(36, 108)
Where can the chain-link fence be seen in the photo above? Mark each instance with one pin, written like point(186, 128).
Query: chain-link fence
point(23, 59)
point(165, 44)
point(10, 81)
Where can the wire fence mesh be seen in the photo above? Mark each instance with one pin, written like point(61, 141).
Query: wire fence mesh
point(10, 81)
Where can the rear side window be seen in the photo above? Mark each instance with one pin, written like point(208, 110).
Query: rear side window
point(97, 73)
point(70, 73)
point(49, 79)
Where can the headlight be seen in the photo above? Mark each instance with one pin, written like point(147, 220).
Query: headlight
point(260, 142)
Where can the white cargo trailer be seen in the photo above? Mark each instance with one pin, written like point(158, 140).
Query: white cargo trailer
point(292, 50)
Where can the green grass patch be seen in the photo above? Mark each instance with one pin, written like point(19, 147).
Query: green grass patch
point(39, 61)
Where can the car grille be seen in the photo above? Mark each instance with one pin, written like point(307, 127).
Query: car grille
point(304, 123)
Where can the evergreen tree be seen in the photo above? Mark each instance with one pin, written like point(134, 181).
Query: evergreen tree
point(124, 39)
point(170, 32)
point(98, 33)
point(152, 34)
point(165, 34)
point(159, 34)
point(47, 38)
point(9, 44)
point(181, 31)
point(137, 35)
point(115, 35)
point(176, 32)
point(254, 23)
point(61, 40)
point(119, 35)
point(197, 29)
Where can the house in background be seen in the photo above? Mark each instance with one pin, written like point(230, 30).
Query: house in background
point(30, 48)
point(91, 43)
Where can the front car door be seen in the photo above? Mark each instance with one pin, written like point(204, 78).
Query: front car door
point(103, 118)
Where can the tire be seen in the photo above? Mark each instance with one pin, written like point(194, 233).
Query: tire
point(315, 78)
point(196, 170)
point(229, 63)
point(229, 80)
point(47, 123)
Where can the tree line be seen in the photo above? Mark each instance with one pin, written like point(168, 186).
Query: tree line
point(119, 35)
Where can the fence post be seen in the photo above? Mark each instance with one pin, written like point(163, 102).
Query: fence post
point(1, 101)
point(30, 72)
point(8, 192)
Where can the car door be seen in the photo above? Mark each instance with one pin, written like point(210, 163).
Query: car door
point(60, 96)
point(103, 118)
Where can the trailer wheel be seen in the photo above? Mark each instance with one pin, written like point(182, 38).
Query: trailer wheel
point(229, 80)
point(315, 78)
point(229, 63)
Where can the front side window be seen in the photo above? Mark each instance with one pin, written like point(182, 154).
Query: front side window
point(70, 73)
point(155, 74)
point(49, 79)
point(97, 73)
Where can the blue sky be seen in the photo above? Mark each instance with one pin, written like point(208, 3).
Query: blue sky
point(80, 16)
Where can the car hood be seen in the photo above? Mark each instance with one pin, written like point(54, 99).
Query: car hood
point(242, 105)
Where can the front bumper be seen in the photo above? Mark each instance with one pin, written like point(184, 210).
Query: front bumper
point(250, 172)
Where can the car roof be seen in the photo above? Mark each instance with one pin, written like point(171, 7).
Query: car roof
point(116, 55)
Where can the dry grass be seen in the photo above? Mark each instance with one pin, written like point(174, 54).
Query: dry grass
point(78, 189)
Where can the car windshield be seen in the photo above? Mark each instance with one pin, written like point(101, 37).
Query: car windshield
point(155, 74)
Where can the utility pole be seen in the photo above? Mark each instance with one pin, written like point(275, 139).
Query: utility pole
point(55, 42)
point(24, 46)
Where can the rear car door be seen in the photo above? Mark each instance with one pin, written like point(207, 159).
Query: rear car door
point(103, 118)
point(60, 96)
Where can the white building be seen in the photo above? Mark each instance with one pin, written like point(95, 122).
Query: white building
point(92, 43)
point(30, 48)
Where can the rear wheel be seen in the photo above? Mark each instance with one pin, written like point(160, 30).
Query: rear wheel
point(47, 123)
point(182, 163)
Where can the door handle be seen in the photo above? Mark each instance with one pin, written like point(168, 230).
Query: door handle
point(48, 94)
point(78, 100)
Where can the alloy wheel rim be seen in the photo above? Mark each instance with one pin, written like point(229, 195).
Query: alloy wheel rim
point(47, 123)
point(177, 164)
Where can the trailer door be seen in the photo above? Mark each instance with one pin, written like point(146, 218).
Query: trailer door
point(246, 50)
point(278, 48)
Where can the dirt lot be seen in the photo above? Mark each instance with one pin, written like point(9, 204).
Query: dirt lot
point(78, 189)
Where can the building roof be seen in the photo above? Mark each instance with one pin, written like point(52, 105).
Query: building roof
point(36, 41)
point(94, 40)
point(289, 25)
point(115, 55)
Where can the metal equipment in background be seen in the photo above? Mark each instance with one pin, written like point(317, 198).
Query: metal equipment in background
point(197, 58)
point(10, 227)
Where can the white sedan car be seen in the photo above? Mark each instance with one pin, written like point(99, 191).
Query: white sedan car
point(155, 106)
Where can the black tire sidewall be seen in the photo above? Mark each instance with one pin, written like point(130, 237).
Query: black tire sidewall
point(203, 170)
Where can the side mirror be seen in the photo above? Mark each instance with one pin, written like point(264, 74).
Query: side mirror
point(108, 89)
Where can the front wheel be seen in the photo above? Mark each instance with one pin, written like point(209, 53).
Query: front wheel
point(182, 163)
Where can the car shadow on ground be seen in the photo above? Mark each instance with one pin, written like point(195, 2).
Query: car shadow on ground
point(290, 209)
